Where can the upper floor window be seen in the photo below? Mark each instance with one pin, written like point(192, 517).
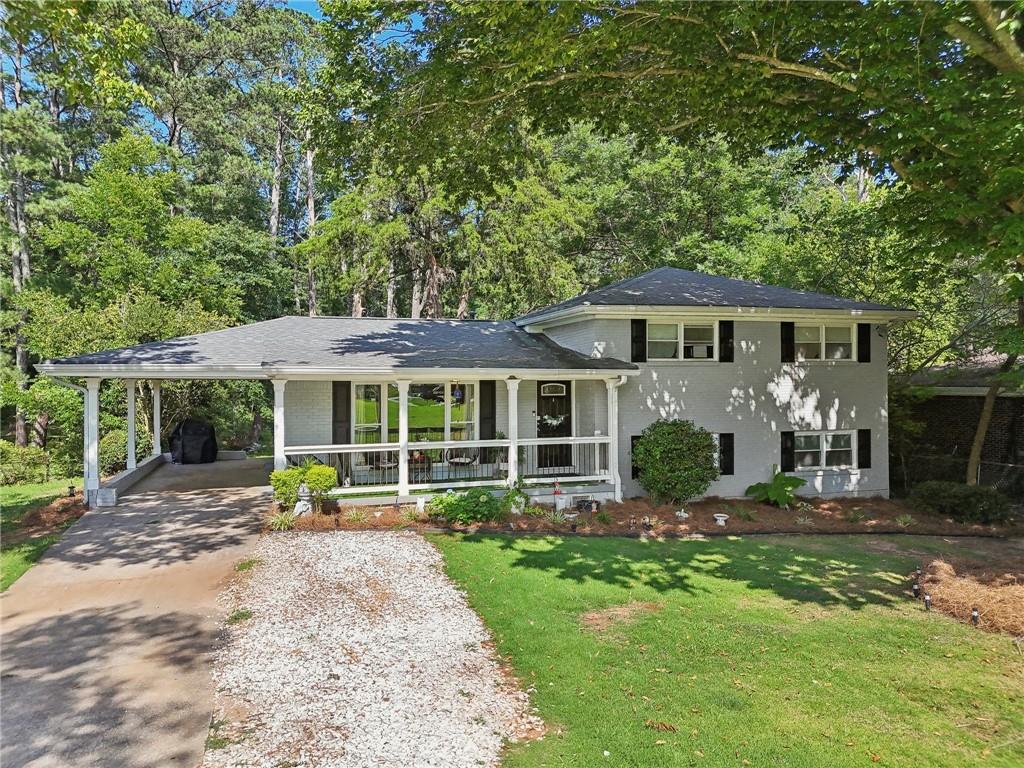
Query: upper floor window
point(823, 342)
point(680, 341)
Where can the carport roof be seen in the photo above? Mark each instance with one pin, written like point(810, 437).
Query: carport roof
point(302, 345)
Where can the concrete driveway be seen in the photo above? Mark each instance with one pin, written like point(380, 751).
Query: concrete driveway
point(106, 643)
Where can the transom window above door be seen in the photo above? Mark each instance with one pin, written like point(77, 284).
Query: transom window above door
point(681, 341)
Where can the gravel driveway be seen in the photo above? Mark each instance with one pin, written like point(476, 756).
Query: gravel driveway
point(359, 652)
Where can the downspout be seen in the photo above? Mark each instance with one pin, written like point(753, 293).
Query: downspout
point(613, 432)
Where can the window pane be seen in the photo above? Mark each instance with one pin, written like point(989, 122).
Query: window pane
point(839, 458)
point(426, 412)
point(367, 415)
point(837, 333)
point(463, 407)
point(839, 441)
point(662, 331)
point(662, 350)
point(807, 333)
point(392, 413)
point(698, 333)
point(808, 442)
point(807, 458)
point(808, 351)
point(698, 342)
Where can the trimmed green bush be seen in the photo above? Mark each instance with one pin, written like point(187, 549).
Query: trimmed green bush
point(778, 491)
point(285, 483)
point(676, 460)
point(23, 465)
point(465, 508)
point(963, 503)
point(320, 479)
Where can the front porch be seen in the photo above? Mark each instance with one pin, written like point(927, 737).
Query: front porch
point(410, 436)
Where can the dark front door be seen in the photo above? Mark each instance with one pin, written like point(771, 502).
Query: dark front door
point(554, 419)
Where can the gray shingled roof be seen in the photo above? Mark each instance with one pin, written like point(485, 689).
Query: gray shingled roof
point(357, 343)
point(671, 287)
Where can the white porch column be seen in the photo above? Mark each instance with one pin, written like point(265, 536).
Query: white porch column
point(280, 462)
point(92, 439)
point(513, 430)
point(155, 386)
point(130, 427)
point(403, 437)
point(613, 433)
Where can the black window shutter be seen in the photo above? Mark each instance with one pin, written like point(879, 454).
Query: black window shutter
point(488, 424)
point(863, 342)
point(638, 337)
point(788, 452)
point(725, 453)
point(864, 448)
point(788, 331)
point(341, 412)
point(725, 342)
point(634, 471)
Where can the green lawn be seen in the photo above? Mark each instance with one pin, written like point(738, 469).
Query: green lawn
point(762, 651)
point(15, 502)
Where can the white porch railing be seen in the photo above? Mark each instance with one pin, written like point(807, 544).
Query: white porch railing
point(378, 467)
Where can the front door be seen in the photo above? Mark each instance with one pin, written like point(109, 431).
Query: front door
point(554, 419)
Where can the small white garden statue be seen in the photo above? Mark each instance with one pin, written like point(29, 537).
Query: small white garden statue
point(682, 514)
point(304, 505)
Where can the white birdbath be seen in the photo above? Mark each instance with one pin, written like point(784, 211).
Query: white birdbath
point(720, 518)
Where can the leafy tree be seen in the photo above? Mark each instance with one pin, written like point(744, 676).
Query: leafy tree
point(926, 93)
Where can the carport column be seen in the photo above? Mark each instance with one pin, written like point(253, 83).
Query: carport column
point(130, 387)
point(403, 437)
point(92, 440)
point(513, 430)
point(155, 386)
point(280, 462)
point(613, 433)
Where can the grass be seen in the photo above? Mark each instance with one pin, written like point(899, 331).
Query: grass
point(16, 501)
point(239, 615)
point(247, 565)
point(765, 651)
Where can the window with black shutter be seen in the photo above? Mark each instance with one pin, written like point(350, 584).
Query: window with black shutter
point(864, 448)
point(725, 341)
point(788, 459)
point(726, 465)
point(638, 341)
point(863, 342)
point(788, 334)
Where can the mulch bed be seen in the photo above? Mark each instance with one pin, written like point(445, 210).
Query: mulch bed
point(640, 516)
point(995, 588)
point(48, 519)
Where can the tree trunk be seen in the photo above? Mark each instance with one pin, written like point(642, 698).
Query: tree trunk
point(392, 310)
point(357, 302)
point(275, 184)
point(40, 429)
point(310, 223)
point(974, 460)
point(256, 432)
point(463, 311)
point(21, 268)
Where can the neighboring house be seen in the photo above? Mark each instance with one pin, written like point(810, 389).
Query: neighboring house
point(782, 377)
point(950, 415)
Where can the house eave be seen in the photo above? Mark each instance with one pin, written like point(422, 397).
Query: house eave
point(569, 315)
point(193, 371)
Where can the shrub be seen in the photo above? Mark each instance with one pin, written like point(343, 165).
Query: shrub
point(281, 521)
point(114, 450)
point(963, 503)
point(465, 508)
point(778, 491)
point(23, 465)
point(320, 480)
point(285, 483)
point(515, 499)
point(676, 460)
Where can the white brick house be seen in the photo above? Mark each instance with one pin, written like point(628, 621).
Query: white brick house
point(784, 378)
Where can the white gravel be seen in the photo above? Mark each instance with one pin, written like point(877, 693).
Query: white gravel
point(359, 652)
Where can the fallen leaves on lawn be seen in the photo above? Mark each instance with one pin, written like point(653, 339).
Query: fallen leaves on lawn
point(658, 725)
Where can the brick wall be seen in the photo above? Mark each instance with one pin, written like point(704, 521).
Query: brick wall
point(950, 422)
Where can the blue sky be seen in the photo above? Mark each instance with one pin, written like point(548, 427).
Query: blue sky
point(306, 6)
